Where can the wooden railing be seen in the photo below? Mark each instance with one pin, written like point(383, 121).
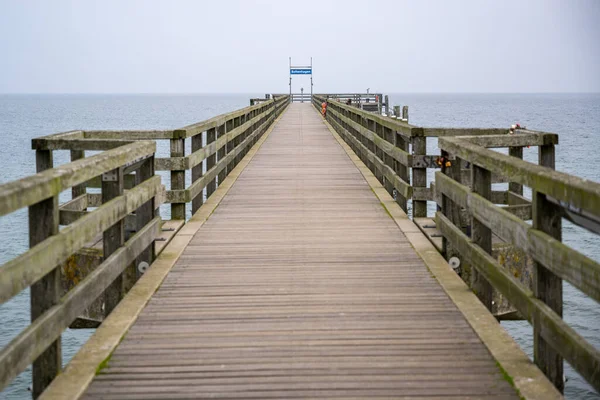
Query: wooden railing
point(372, 102)
point(219, 142)
point(555, 195)
point(125, 219)
point(471, 213)
point(396, 150)
point(39, 268)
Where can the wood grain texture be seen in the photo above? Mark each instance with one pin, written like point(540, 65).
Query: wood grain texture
point(300, 285)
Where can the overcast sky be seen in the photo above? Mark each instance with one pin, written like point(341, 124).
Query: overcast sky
point(217, 46)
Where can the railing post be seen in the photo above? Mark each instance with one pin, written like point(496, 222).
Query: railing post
point(419, 176)
point(513, 186)
point(378, 152)
point(388, 136)
point(367, 145)
point(145, 213)
point(455, 172)
point(481, 234)
point(210, 162)
point(253, 126)
point(453, 212)
point(77, 190)
point(546, 285)
point(197, 173)
point(178, 178)
point(387, 105)
point(243, 119)
point(402, 171)
point(222, 131)
point(43, 223)
point(236, 123)
point(230, 125)
point(113, 237)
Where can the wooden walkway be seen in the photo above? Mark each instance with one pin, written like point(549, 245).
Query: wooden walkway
point(300, 286)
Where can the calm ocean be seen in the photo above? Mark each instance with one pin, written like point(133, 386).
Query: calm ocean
point(575, 117)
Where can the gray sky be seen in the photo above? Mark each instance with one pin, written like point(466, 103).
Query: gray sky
point(216, 46)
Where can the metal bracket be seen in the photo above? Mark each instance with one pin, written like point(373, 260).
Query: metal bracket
point(110, 176)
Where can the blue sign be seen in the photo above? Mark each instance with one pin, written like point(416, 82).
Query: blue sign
point(301, 71)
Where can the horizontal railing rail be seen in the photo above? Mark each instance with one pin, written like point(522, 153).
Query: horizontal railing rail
point(556, 195)
point(123, 219)
point(40, 267)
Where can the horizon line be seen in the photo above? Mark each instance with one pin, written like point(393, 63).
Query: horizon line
point(246, 93)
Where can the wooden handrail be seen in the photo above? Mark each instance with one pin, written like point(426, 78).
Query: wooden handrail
point(33, 189)
point(383, 142)
point(578, 192)
point(39, 267)
point(230, 127)
point(553, 194)
point(579, 270)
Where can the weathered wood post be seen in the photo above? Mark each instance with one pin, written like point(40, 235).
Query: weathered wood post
point(235, 142)
point(244, 135)
point(378, 130)
point(113, 237)
point(405, 113)
point(453, 212)
point(370, 125)
point(230, 125)
point(397, 112)
point(419, 175)
point(240, 122)
point(77, 190)
point(481, 234)
point(347, 126)
point(197, 173)
point(256, 124)
point(402, 171)
point(455, 172)
point(388, 136)
point(211, 161)
point(43, 223)
point(253, 126)
point(221, 131)
point(387, 105)
point(364, 155)
point(178, 178)
point(513, 186)
point(145, 213)
point(547, 287)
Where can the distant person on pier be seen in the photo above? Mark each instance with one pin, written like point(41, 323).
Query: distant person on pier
point(324, 108)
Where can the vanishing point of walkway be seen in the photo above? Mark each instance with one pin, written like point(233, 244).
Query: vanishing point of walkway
point(300, 286)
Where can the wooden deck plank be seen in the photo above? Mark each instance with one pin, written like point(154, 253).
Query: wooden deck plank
point(300, 285)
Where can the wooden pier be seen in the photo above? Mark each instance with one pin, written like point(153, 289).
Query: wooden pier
point(301, 273)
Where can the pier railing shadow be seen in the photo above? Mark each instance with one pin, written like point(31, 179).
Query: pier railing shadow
point(89, 251)
point(475, 224)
